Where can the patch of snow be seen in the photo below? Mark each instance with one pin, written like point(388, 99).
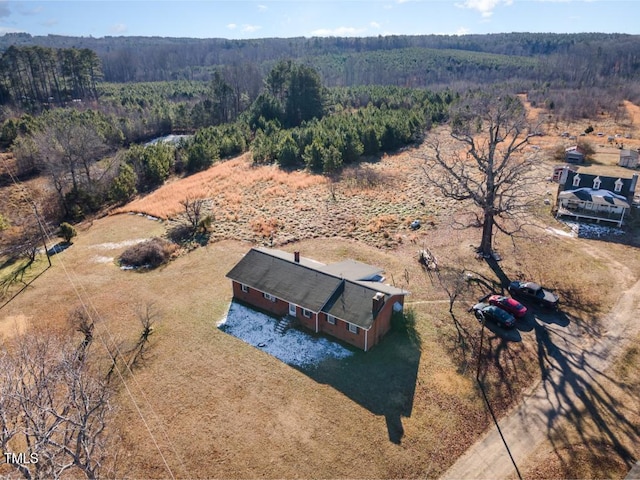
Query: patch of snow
point(101, 259)
point(125, 243)
point(293, 348)
point(592, 230)
point(561, 233)
point(134, 267)
point(149, 217)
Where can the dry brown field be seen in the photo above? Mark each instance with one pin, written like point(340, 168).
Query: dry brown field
point(206, 405)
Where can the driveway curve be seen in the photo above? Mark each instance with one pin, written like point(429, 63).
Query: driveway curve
point(572, 360)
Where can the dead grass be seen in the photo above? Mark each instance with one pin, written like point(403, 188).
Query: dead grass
point(263, 204)
point(210, 405)
point(227, 183)
point(604, 444)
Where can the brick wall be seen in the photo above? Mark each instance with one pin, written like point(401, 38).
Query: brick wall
point(256, 298)
point(340, 330)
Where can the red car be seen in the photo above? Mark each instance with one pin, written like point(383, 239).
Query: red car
point(508, 304)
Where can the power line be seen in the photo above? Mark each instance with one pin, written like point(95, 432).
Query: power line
point(46, 234)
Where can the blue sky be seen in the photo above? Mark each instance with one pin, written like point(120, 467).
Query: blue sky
point(236, 19)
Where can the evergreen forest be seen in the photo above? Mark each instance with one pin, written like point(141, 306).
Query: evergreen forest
point(79, 111)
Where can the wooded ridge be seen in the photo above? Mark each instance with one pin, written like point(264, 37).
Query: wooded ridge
point(595, 55)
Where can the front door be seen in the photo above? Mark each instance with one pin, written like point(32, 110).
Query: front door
point(292, 309)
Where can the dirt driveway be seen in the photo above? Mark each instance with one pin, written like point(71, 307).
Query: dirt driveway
point(573, 362)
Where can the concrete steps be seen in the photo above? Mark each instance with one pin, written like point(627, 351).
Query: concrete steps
point(284, 324)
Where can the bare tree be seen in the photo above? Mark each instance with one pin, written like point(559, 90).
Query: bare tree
point(454, 282)
point(148, 317)
point(55, 409)
point(483, 164)
point(195, 214)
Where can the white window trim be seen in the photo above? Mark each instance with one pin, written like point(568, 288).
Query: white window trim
point(618, 186)
point(576, 181)
point(244, 288)
point(331, 319)
point(306, 313)
point(353, 328)
point(270, 297)
point(596, 183)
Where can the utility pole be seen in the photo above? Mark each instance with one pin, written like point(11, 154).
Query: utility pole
point(42, 234)
point(484, 394)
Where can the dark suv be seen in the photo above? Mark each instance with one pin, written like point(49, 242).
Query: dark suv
point(485, 311)
point(535, 293)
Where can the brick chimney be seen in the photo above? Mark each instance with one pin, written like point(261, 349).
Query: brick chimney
point(632, 187)
point(378, 302)
point(296, 257)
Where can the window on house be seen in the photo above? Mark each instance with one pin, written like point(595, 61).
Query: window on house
point(596, 183)
point(270, 297)
point(618, 185)
point(576, 181)
point(353, 328)
point(331, 319)
point(244, 288)
point(306, 313)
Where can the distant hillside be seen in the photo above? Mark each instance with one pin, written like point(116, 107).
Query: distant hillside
point(586, 58)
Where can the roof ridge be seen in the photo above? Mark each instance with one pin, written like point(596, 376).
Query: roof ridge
point(293, 262)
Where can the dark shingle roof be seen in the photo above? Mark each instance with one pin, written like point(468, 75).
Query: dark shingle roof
point(308, 284)
point(606, 183)
point(354, 304)
point(290, 281)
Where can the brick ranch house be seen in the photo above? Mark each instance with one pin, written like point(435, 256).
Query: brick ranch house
point(346, 300)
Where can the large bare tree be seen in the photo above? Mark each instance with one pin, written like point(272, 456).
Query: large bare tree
point(482, 162)
point(55, 408)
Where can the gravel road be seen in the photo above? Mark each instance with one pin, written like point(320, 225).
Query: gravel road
point(572, 360)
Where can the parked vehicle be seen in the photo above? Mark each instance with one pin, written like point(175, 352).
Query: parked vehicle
point(533, 292)
point(508, 304)
point(484, 311)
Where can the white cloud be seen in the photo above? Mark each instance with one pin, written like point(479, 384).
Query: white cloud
point(459, 31)
point(337, 32)
point(375, 25)
point(232, 26)
point(250, 28)
point(263, 8)
point(118, 28)
point(4, 30)
point(485, 7)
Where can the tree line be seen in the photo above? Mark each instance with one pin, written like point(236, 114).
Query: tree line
point(37, 76)
point(92, 158)
point(552, 56)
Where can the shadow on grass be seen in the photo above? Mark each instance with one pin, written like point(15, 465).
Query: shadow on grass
point(382, 380)
point(25, 284)
point(58, 248)
point(578, 394)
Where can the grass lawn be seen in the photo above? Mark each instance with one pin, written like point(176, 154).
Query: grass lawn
point(206, 404)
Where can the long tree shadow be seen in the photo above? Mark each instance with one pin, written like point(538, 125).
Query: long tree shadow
point(382, 380)
point(576, 393)
point(9, 283)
